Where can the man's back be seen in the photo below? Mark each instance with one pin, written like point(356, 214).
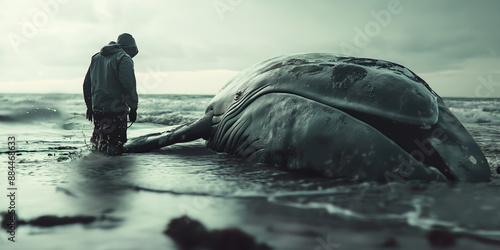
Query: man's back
point(112, 80)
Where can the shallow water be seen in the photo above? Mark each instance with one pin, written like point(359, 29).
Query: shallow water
point(138, 194)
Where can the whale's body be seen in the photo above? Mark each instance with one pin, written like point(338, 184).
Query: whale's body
point(343, 117)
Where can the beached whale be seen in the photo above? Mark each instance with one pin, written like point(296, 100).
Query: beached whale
point(342, 117)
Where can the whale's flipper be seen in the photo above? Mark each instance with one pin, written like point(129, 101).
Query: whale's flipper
point(183, 133)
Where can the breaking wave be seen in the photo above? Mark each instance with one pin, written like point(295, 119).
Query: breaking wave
point(469, 110)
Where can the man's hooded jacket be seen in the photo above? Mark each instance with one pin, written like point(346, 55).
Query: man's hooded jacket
point(110, 85)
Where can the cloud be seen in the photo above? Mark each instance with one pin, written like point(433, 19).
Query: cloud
point(429, 37)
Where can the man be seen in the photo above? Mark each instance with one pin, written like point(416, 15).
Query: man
point(110, 91)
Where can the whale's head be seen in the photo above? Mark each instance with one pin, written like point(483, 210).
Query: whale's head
point(375, 87)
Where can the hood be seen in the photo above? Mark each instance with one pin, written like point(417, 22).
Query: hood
point(127, 42)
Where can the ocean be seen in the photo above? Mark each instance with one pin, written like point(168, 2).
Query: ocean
point(134, 196)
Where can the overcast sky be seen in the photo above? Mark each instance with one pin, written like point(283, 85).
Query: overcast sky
point(196, 46)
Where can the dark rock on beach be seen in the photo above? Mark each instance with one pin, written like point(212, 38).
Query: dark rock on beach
point(390, 243)
point(187, 233)
point(441, 238)
point(51, 221)
point(191, 234)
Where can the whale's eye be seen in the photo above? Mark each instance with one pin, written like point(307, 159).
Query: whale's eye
point(238, 95)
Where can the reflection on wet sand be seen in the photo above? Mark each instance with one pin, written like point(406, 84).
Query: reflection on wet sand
point(101, 182)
